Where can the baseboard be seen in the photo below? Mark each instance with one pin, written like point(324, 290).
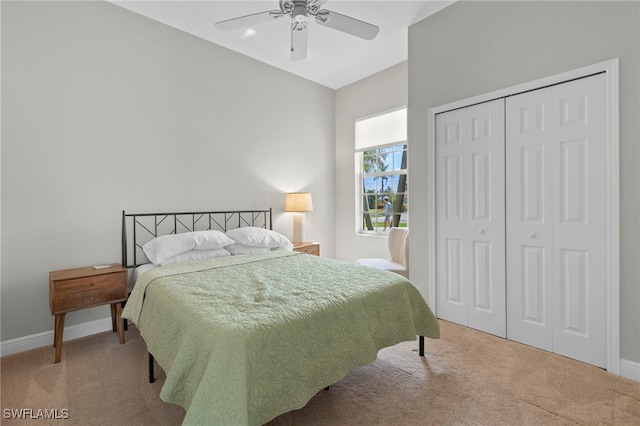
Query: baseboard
point(39, 340)
point(630, 369)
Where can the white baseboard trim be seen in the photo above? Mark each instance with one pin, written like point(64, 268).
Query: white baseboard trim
point(630, 369)
point(39, 340)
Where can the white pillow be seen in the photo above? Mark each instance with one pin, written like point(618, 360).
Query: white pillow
point(162, 248)
point(211, 240)
point(196, 255)
point(259, 237)
point(236, 249)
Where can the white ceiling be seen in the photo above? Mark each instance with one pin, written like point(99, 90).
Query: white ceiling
point(334, 59)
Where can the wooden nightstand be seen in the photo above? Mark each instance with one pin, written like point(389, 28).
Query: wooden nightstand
point(81, 288)
point(307, 247)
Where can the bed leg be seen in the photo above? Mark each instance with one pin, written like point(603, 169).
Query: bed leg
point(421, 345)
point(151, 375)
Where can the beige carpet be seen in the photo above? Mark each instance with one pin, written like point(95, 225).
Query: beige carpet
point(467, 378)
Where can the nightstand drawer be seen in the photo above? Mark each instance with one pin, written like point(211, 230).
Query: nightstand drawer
point(80, 285)
point(88, 299)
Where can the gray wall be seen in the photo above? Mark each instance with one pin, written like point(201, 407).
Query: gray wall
point(375, 94)
point(104, 110)
point(471, 48)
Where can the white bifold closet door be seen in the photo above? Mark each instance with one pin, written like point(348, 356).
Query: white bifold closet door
point(556, 219)
point(470, 216)
point(521, 218)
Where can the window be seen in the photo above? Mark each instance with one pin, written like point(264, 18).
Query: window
point(381, 153)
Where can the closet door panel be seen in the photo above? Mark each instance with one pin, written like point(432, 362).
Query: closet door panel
point(580, 218)
point(486, 226)
point(452, 266)
point(528, 218)
point(532, 179)
point(470, 217)
point(533, 308)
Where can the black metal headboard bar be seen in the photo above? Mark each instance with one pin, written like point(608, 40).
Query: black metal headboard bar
point(153, 225)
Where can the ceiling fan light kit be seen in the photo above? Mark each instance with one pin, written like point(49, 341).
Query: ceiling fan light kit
point(299, 11)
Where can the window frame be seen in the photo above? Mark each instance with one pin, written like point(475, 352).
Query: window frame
point(378, 131)
point(362, 194)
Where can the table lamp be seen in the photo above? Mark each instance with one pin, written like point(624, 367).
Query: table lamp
point(298, 203)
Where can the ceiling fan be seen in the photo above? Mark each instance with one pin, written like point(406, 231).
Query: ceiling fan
point(300, 11)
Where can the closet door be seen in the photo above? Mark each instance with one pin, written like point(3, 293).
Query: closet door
point(452, 263)
point(470, 223)
point(529, 157)
point(556, 219)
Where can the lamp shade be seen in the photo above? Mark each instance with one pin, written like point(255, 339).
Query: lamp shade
point(298, 202)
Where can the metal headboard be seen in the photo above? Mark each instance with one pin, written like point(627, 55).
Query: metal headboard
point(144, 227)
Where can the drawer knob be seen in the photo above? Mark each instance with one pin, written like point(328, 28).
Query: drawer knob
point(92, 297)
point(92, 284)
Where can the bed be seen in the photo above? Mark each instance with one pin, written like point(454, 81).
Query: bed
point(245, 338)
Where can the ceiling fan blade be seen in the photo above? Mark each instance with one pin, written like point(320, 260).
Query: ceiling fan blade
point(249, 20)
point(315, 4)
point(298, 44)
point(347, 24)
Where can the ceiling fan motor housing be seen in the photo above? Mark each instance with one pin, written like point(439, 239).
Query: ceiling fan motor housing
point(299, 10)
point(300, 13)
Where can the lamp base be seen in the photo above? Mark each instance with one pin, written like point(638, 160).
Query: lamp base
point(298, 227)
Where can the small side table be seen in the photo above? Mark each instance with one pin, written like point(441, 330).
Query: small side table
point(307, 247)
point(82, 288)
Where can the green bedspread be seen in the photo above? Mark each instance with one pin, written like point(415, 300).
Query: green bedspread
point(243, 339)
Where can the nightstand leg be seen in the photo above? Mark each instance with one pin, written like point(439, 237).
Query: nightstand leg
point(114, 321)
point(118, 308)
point(57, 336)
